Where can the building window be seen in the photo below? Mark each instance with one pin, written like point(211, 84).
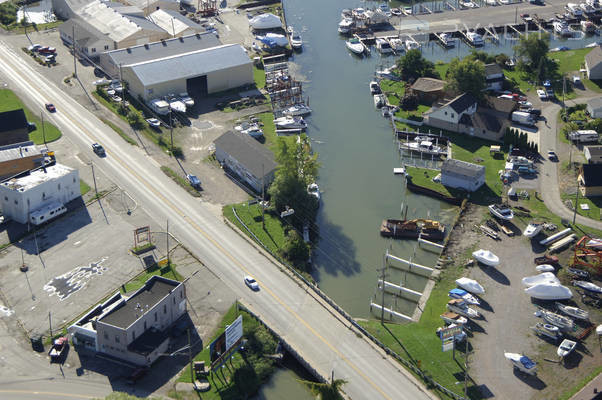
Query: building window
point(116, 339)
point(5, 198)
point(452, 115)
point(106, 47)
point(16, 202)
point(445, 112)
point(73, 179)
point(59, 186)
point(43, 195)
point(164, 308)
point(93, 49)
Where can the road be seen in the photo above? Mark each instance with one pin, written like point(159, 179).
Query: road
point(317, 333)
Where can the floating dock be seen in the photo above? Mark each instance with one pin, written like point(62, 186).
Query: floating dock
point(389, 313)
point(410, 266)
point(400, 291)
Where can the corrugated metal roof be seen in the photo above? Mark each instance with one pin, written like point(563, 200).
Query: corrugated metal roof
point(256, 158)
point(108, 21)
point(18, 150)
point(184, 66)
point(173, 22)
point(165, 48)
point(462, 168)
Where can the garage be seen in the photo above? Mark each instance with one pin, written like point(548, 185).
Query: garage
point(197, 87)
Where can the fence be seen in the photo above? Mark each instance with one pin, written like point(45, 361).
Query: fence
point(344, 314)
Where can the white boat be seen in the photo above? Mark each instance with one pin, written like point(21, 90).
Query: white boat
point(453, 318)
point(555, 319)
point(386, 73)
point(464, 295)
point(522, 363)
point(551, 331)
point(159, 106)
point(590, 287)
point(289, 122)
point(383, 46)
point(297, 110)
point(475, 39)
point(574, 312)
point(296, 41)
point(265, 21)
point(561, 28)
point(314, 190)
point(546, 291)
point(486, 257)
point(290, 29)
point(501, 211)
point(532, 230)
point(186, 99)
point(175, 104)
point(470, 285)
point(355, 46)
point(422, 145)
point(566, 347)
point(545, 268)
point(379, 100)
point(256, 47)
point(346, 25)
point(397, 44)
point(412, 45)
point(374, 88)
point(547, 278)
point(447, 40)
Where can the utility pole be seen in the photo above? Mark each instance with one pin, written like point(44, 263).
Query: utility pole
point(94, 178)
point(74, 58)
point(43, 129)
point(50, 322)
point(383, 275)
point(192, 377)
point(262, 197)
point(576, 204)
point(171, 130)
point(167, 239)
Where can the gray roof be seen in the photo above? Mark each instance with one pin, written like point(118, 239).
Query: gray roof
point(256, 158)
point(493, 69)
point(18, 150)
point(594, 150)
point(462, 168)
point(144, 299)
point(193, 64)
point(595, 103)
point(594, 57)
point(165, 48)
point(462, 102)
point(144, 23)
point(428, 85)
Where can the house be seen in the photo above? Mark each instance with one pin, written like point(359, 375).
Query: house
point(22, 197)
point(593, 154)
point(248, 159)
point(594, 107)
point(428, 90)
point(490, 120)
point(494, 77)
point(18, 158)
point(590, 180)
point(448, 115)
point(462, 175)
point(133, 328)
point(14, 127)
point(199, 72)
point(593, 63)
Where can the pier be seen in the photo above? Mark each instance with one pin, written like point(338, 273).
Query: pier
point(413, 267)
point(400, 291)
point(389, 313)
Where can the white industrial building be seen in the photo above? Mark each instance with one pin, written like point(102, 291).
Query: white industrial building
point(197, 72)
point(462, 175)
point(45, 189)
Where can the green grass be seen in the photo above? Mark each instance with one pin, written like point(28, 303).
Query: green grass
point(569, 393)
point(424, 177)
point(139, 281)
point(180, 181)
point(415, 113)
point(9, 101)
point(119, 131)
point(17, 28)
point(259, 77)
point(595, 85)
point(83, 187)
point(441, 69)
point(594, 203)
point(570, 60)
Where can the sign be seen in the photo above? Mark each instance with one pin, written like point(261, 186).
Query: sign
point(447, 345)
point(218, 347)
point(233, 332)
point(287, 212)
point(449, 332)
point(226, 343)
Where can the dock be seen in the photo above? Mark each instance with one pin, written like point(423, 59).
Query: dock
point(449, 6)
point(515, 29)
point(442, 41)
point(400, 291)
point(492, 34)
point(413, 267)
point(428, 245)
point(389, 313)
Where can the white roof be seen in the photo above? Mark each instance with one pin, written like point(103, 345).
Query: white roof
point(167, 22)
point(37, 177)
point(108, 21)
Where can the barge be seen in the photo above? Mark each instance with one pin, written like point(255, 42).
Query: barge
point(413, 229)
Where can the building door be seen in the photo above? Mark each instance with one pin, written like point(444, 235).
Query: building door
point(197, 87)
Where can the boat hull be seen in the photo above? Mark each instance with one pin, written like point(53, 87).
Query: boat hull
point(401, 229)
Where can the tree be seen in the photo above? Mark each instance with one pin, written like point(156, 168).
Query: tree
point(533, 48)
point(295, 250)
point(501, 59)
point(414, 66)
point(466, 76)
point(409, 102)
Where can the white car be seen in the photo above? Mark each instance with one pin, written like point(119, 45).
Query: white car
point(251, 283)
point(542, 94)
point(525, 103)
point(154, 122)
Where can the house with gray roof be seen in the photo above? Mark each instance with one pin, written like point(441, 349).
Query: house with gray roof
point(494, 77)
point(428, 90)
point(462, 175)
point(594, 107)
point(253, 163)
point(593, 63)
point(448, 115)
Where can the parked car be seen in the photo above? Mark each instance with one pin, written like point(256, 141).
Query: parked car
point(46, 50)
point(542, 94)
point(552, 156)
point(50, 107)
point(34, 47)
point(193, 180)
point(153, 122)
point(251, 283)
point(536, 112)
point(116, 98)
point(576, 80)
point(98, 149)
point(31, 126)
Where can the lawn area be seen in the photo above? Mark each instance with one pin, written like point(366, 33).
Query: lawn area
point(138, 281)
point(83, 187)
point(595, 85)
point(594, 205)
point(441, 69)
point(424, 177)
point(414, 113)
point(9, 101)
point(119, 131)
point(259, 77)
point(418, 343)
point(570, 60)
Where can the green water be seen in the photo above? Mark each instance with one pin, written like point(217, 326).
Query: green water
point(284, 384)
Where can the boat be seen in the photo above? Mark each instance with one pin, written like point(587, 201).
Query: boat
point(346, 25)
point(545, 268)
point(579, 273)
point(314, 190)
point(470, 285)
point(522, 363)
point(186, 99)
point(396, 12)
point(58, 348)
point(414, 228)
point(289, 122)
point(561, 28)
point(486, 257)
point(423, 145)
point(501, 211)
point(571, 311)
point(412, 45)
point(290, 29)
point(175, 104)
point(159, 106)
point(545, 259)
point(296, 41)
point(555, 319)
point(346, 13)
point(265, 21)
point(386, 73)
point(590, 287)
point(355, 45)
point(543, 278)
point(532, 230)
point(453, 318)
point(297, 110)
point(447, 40)
point(588, 26)
point(386, 111)
point(464, 295)
point(547, 291)
point(551, 331)
point(383, 46)
point(379, 100)
point(254, 131)
point(475, 39)
point(566, 347)
point(397, 44)
point(374, 88)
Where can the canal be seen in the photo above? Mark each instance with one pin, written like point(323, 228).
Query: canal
point(357, 155)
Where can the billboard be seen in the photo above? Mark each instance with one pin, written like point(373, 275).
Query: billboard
point(217, 347)
point(221, 347)
point(450, 332)
point(233, 332)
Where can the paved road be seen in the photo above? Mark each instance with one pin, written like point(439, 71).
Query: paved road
point(286, 306)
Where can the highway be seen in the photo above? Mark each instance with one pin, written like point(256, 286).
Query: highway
point(317, 333)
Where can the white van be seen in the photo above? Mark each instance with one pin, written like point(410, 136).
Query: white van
point(46, 213)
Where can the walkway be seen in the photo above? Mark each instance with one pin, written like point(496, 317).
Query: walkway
point(591, 391)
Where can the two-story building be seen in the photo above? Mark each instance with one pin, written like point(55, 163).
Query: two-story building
point(589, 180)
point(494, 77)
point(448, 115)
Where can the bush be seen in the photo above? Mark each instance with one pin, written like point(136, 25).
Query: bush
point(8, 13)
point(295, 250)
point(135, 120)
point(409, 102)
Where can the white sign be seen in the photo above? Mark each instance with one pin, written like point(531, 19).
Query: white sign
point(233, 332)
point(447, 345)
point(286, 213)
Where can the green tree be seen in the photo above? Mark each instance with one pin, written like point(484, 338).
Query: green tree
point(135, 120)
point(466, 75)
point(413, 66)
point(327, 391)
point(501, 59)
point(295, 250)
point(533, 48)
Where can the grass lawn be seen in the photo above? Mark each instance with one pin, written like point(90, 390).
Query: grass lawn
point(595, 85)
point(9, 101)
point(259, 77)
point(416, 113)
point(139, 281)
point(441, 69)
point(594, 205)
point(570, 60)
point(83, 187)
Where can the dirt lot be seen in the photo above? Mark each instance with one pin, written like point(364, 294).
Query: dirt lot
point(508, 315)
